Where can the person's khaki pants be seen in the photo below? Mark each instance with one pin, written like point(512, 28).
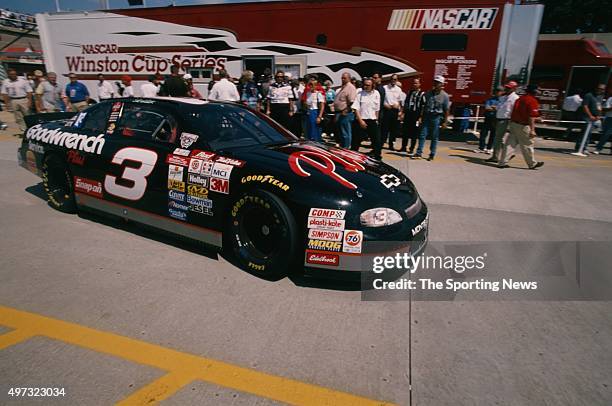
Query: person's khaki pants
point(20, 110)
point(79, 106)
point(519, 135)
point(498, 143)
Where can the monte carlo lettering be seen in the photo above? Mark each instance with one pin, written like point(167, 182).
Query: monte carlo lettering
point(80, 142)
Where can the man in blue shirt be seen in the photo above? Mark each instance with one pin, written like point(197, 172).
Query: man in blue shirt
point(488, 128)
point(77, 94)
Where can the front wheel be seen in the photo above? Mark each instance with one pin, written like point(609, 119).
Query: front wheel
point(57, 183)
point(263, 234)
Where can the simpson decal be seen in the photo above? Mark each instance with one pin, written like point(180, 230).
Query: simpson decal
point(74, 141)
point(325, 224)
point(327, 213)
point(175, 172)
point(187, 139)
point(326, 235)
point(443, 19)
point(352, 241)
point(88, 186)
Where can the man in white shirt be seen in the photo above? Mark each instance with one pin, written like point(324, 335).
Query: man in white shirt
point(224, 90)
point(367, 110)
point(151, 88)
point(393, 104)
point(105, 89)
point(125, 87)
point(607, 127)
point(504, 111)
point(17, 94)
point(571, 111)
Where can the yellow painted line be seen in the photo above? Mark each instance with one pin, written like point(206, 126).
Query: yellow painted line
point(158, 390)
point(15, 337)
point(219, 373)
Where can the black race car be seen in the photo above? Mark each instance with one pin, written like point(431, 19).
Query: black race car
point(229, 177)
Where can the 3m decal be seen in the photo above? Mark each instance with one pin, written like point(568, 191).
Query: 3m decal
point(327, 213)
point(219, 185)
point(220, 170)
point(199, 201)
point(318, 258)
point(93, 144)
point(181, 152)
point(197, 179)
point(230, 161)
point(327, 235)
point(325, 224)
point(389, 180)
point(175, 172)
point(88, 186)
point(266, 179)
point(197, 191)
point(176, 185)
point(187, 139)
point(334, 246)
point(74, 157)
point(198, 153)
point(442, 19)
point(178, 196)
point(325, 162)
point(177, 214)
point(352, 241)
point(137, 176)
point(177, 160)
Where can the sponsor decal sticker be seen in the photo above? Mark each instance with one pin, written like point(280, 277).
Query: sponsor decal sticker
point(352, 241)
point(322, 223)
point(177, 160)
point(198, 153)
point(230, 161)
point(334, 246)
point(420, 227)
point(187, 139)
point(175, 172)
point(74, 157)
point(197, 179)
point(177, 214)
point(207, 167)
point(181, 152)
point(176, 185)
point(219, 185)
point(266, 179)
point(78, 121)
point(327, 235)
point(322, 259)
point(70, 140)
point(256, 267)
point(36, 148)
point(195, 165)
point(200, 209)
point(178, 196)
point(220, 170)
point(197, 191)
point(199, 201)
point(178, 206)
point(88, 186)
point(389, 180)
point(327, 213)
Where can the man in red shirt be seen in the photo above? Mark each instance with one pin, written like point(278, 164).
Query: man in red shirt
point(522, 129)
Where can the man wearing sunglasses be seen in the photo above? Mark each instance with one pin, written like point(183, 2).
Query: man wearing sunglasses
point(280, 100)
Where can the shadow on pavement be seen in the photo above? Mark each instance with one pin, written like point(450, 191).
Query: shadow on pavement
point(37, 190)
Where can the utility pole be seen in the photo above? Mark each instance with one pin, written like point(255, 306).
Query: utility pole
point(57, 7)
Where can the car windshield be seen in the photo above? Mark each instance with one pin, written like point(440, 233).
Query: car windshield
point(229, 126)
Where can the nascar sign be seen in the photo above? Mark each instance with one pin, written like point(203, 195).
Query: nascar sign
point(443, 19)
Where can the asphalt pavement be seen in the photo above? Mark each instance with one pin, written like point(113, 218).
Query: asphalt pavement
point(111, 311)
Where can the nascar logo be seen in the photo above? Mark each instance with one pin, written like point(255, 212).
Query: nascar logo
point(443, 19)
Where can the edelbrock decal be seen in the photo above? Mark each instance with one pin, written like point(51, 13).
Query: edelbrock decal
point(69, 140)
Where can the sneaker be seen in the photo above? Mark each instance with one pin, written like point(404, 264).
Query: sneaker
point(537, 165)
point(504, 166)
point(488, 151)
point(492, 159)
point(3, 126)
point(431, 158)
point(480, 151)
point(586, 152)
point(416, 156)
point(596, 152)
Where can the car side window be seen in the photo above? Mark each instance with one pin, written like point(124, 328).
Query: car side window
point(93, 119)
point(146, 123)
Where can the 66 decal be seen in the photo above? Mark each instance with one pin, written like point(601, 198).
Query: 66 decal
point(352, 241)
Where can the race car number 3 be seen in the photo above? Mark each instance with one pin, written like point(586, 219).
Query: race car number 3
point(36, 392)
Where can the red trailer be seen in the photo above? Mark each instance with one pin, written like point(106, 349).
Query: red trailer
point(474, 44)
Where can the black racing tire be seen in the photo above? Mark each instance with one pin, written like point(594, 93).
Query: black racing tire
point(57, 182)
point(262, 235)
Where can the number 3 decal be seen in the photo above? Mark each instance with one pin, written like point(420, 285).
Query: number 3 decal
point(147, 160)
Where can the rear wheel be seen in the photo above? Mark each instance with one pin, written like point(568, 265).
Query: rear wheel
point(263, 234)
point(57, 183)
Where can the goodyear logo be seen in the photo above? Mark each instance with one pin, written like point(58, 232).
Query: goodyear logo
point(266, 179)
point(443, 19)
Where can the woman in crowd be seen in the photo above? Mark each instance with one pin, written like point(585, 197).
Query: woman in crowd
point(249, 92)
point(313, 100)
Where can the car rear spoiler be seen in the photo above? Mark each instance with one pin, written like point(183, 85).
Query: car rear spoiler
point(41, 118)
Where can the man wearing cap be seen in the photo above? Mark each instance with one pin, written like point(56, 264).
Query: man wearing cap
point(76, 94)
point(193, 92)
point(48, 95)
point(105, 89)
point(175, 85)
point(435, 112)
point(504, 112)
point(488, 127)
point(125, 88)
point(17, 94)
point(522, 129)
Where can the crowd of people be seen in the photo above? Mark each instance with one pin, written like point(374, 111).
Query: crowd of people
point(13, 19)
point(355, 112)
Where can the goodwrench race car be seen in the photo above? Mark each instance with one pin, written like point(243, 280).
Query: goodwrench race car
point(227, 176)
